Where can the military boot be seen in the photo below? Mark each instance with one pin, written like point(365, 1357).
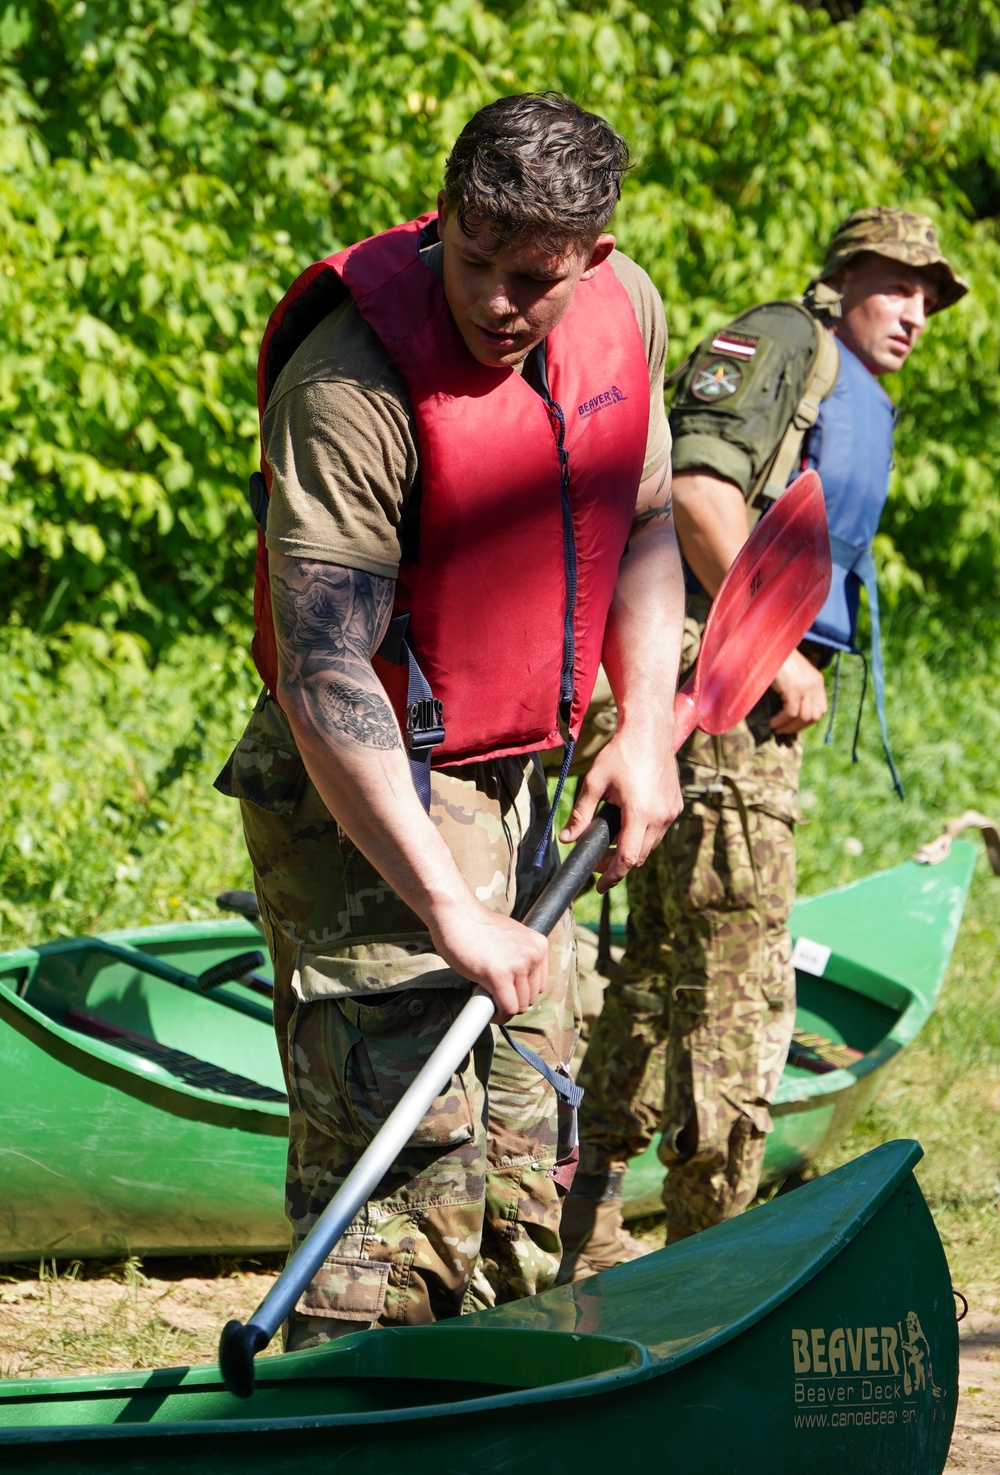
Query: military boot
point(593, 1233)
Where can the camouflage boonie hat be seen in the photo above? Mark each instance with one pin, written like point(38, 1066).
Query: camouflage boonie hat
point(900, 235)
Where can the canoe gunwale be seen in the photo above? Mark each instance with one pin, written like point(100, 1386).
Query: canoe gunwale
point(643, 1367)
point(899, 1159)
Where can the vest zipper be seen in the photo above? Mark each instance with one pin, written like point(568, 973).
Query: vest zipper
point(569, 638)
point(569, 563)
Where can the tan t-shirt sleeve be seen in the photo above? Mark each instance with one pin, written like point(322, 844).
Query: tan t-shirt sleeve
point(341, 444)
point(648, 308)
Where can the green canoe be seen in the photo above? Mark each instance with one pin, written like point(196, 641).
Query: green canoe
point(138, 1115)
point(815, 1333)
point(143, 1117)
point(870, 961)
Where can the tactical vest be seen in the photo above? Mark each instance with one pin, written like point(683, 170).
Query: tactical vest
point(850, 446)
point(526, 501)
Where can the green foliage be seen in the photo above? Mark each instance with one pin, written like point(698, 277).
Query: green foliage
point(167, 167)
point(109, 818)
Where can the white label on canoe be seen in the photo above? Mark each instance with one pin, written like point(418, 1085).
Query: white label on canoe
point(810, 957)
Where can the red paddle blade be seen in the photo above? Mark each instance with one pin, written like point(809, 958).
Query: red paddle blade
point(772, 593)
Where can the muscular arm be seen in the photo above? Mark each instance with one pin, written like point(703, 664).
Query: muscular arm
point(328, 621)
point(642, 646)
point(712, 528)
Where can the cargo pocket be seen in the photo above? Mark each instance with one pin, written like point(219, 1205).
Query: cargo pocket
point(265, 767)
point(352, 1059)
point(346, 1289)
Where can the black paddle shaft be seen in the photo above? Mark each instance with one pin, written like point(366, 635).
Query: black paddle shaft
point(569, 879)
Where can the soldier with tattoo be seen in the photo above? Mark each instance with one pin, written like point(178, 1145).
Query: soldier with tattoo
point(465, 504)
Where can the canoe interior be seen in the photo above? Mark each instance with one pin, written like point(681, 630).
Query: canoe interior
point(419, 1369)
point(68, 980)
point(798, 1308)
point(890, 938)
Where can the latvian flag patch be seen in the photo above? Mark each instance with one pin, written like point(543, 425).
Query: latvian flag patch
point(740, 345)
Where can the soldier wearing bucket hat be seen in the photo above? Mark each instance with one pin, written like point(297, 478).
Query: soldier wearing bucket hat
point(697, 1022)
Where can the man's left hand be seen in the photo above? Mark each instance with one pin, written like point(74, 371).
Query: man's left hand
point(640, 776)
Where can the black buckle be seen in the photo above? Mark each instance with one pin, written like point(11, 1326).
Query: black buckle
point(424, 724)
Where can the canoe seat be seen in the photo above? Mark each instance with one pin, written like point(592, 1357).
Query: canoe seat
point(820, 1055)
point(188, 1068)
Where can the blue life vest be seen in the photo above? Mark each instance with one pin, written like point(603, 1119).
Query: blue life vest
point(850, 446)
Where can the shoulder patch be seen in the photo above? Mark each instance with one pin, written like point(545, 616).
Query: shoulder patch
point(716, 378)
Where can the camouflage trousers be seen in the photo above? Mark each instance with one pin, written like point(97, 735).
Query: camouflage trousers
point(693, 1039)
point(468, 1215)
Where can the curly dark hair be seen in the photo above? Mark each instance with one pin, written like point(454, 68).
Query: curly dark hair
point(536, 164)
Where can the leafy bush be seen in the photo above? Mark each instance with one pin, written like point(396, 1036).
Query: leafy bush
point(167, 167)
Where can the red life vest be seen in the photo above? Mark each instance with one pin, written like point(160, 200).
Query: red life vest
point(522, 521)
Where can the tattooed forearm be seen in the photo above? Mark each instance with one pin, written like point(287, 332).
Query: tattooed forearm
point(360, 714)
point(326, 617)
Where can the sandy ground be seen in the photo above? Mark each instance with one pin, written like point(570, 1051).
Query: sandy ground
point(975, 1445)
point(162, 1314)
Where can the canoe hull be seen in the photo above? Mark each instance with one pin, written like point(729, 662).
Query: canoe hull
point(682, 1389)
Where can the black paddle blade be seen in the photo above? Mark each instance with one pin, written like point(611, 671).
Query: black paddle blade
point(226, 972)
point(237, 1348)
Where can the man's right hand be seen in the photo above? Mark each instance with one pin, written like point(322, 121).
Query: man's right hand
point(507, 959)
point(803, 695)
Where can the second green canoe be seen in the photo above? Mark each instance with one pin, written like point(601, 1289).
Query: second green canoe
point(870, 961)
point(142, 1116)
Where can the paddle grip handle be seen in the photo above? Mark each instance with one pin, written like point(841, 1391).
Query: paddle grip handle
point(239, 1344)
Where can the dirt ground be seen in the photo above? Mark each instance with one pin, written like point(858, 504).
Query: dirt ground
point(975, 1445)
point(161, 1314)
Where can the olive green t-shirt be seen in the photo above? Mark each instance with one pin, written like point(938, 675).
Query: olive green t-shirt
point(340, 436)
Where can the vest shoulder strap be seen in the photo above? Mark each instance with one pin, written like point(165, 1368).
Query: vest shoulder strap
point(820, 380)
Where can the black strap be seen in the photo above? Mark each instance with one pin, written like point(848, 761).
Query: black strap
point(864, 569)
point(424, 713)
point(605, 962)
point(561, 1082)
point(258, 500)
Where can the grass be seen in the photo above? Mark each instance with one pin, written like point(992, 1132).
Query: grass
point(945, 1093)
point(945, 1090)
point(59, 1320)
